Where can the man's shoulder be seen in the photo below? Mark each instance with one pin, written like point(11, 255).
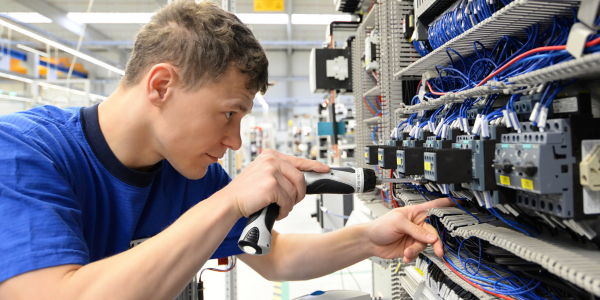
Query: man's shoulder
point(39, 119)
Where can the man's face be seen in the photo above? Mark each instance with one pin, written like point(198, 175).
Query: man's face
point(197, 127)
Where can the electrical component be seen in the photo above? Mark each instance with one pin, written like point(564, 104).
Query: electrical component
point(448, 166)
point(589, 168)
point(371, 153)
point(387, 157)
point(371, 47)
point(329, 70)
point(410, 160)
point(541, 165)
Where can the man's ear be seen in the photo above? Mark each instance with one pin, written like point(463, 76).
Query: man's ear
point(160, 82)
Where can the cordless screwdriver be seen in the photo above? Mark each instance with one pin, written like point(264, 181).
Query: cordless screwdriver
point(256, 237)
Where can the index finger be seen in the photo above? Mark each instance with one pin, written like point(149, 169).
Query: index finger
point(441, 202)
point(300, 163)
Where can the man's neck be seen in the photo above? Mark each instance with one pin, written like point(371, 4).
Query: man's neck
point(125, 121)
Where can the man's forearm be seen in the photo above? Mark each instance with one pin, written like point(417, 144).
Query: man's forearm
point(159, 268)
point(304, 256)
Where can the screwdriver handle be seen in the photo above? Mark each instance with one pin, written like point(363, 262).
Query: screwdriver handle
point(256, 236)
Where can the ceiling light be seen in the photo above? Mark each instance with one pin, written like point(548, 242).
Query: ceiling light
point(15, 98)
point(52, 86)
point(40, 53)
point(267, 19)
point(110, 18)
point(61, 47)
point(17, 78)
point(316, 19)
point(27, 17)
point(262, 102)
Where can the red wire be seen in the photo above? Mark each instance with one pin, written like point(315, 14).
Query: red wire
point(475, 285)
point(382, 197)
point(532, 51)
point(368, 106)
point(433, 92)
point(371, 6)
point(378, 102)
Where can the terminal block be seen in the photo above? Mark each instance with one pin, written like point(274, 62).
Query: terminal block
point(387, 157)
point(410, 161)
point(371, 155)
point(448, 166)
point(435, 143)
point(543, 166)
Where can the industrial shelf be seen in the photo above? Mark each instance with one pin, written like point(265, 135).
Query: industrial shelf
point(587, 66)
point(570, 261)
point(509, 21)
point(583, 67)
point(372, 120)
point(375, 91)
point(369, 20)
point(431, 8)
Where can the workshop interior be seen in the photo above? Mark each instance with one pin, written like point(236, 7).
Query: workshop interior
point(494, 104)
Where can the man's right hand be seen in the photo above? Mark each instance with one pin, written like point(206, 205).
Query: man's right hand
point(272, 178)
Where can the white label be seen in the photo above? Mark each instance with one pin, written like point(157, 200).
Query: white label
point(512, 210)
point(565, 105)
point(591, 199)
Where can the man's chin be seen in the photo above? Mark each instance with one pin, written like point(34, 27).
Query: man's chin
point(197, 173)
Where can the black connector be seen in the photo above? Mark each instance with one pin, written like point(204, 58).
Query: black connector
point(448, 166)
point(410, 161)
point(371, 155)
point(387, 157)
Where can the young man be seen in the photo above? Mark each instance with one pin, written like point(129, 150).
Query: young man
point(78, 185)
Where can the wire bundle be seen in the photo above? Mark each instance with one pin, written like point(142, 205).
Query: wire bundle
point(499, 272)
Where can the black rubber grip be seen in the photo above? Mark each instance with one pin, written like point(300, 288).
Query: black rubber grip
point(327, 186)
point(272, 213)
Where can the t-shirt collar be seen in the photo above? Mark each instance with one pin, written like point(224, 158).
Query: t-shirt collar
point(95, 138)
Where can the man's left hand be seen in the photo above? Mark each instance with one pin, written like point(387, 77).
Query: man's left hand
point(403, 232)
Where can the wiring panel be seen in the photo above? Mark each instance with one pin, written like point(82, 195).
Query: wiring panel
point(486, 105)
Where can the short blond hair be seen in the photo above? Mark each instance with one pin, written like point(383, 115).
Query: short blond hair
point(203, 41)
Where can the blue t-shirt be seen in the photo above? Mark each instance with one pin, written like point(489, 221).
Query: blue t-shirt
point(66, 199)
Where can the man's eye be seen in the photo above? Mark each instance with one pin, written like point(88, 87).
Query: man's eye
point(228, 114)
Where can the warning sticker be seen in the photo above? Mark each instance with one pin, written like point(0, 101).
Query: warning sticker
point(565, 105)
point(428, 166)
point(399, 161)
point(526, 184)
point(504, 180)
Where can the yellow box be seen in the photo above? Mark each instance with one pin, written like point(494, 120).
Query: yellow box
point(428, 166)
point(268, 5)
point(366, 154)
point(526, 184)
point(399, 161)
point(504, 180)
point(379, 156)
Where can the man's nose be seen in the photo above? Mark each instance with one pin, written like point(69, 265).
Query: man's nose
point(233, 139)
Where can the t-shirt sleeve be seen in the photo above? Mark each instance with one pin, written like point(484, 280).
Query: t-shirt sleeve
point(229, 246)
point(40, 218)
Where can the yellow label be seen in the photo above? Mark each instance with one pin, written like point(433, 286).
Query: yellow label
point(419, 270)
point(527, 184)
point(379, 157)
point(504, 180)
point(367, 154)
point(399, 161)
point(428, 166)
point(268, 5)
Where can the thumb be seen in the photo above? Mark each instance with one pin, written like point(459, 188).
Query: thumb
point(417, 232)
